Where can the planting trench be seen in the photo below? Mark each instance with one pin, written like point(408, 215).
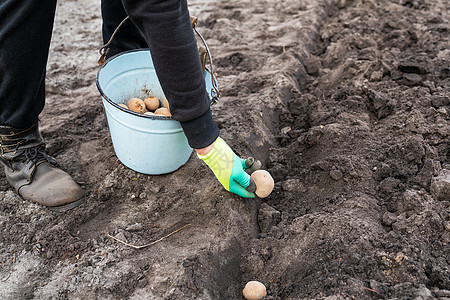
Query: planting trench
point(346, 103)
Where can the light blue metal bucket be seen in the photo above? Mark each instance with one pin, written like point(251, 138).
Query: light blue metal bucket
point(147, 144)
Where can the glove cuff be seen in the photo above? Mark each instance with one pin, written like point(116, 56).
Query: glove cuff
point(210, 153)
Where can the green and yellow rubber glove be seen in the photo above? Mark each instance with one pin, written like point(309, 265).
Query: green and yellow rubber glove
point(229, 169)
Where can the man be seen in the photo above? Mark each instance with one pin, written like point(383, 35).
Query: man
point(161, 25)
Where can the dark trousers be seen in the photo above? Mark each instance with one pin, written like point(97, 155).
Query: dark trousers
point(162, 26)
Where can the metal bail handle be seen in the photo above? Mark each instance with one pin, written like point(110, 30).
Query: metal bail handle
point(205, 53)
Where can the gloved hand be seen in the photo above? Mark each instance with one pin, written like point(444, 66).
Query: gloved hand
point(230, 169)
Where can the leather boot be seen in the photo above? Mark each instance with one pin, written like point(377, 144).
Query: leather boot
point(34, 174)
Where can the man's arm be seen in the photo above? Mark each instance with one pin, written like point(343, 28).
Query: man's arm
point(168, 31)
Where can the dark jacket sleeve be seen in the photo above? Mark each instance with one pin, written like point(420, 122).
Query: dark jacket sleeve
point(167, 29)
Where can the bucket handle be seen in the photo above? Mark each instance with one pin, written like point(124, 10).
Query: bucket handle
point(205, 53)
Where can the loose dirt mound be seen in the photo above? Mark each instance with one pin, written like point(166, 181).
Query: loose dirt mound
point(346, 102)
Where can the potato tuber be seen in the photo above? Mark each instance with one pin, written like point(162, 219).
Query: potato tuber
point(136, 105)
point(152, 103)
point(163, 111)
point(264, 183)
point(166, 103)
point(123, 105)
point(254, 290)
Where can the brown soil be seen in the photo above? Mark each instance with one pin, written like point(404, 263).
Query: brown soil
point(345, 102)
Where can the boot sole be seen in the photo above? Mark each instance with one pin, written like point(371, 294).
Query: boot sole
point(66, 207)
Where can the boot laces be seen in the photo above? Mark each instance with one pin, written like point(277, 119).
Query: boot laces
point(37, 154)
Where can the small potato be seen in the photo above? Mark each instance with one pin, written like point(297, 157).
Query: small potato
point(123, 105)
point(254, 290)
point(152, 103)
point(163, 111)
point(149, 113)
point(136, 105)
point(264, 183)
point(166, 103)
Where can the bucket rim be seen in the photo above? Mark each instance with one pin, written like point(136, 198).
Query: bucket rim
point(102, 93)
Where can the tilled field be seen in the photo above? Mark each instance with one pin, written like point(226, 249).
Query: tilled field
point(346, 103)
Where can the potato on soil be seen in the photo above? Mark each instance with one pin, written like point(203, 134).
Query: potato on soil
point(163, 111)
point(152, 103)
point(254, 290)
point(264, 183)
point(136, 105)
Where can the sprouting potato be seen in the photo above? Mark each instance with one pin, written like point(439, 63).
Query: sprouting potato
point(254, 290)
point(163, 111)
point(152, 103)
point(136, 105)
point(264, 183)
